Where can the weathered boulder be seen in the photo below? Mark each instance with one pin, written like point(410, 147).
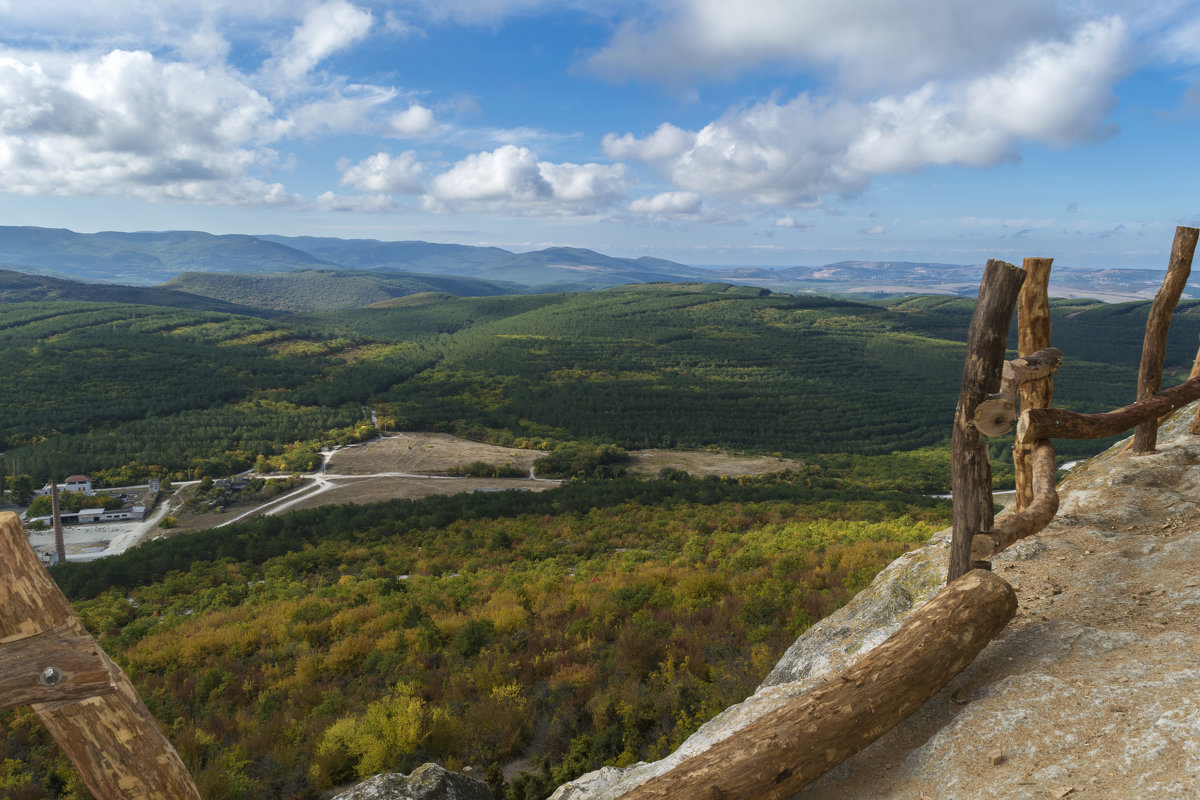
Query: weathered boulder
point(426, 782)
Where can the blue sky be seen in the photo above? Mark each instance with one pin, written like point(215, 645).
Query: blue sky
point(777, 132)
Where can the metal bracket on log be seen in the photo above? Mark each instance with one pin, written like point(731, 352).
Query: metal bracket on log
point(995, 415)
point(60, 664)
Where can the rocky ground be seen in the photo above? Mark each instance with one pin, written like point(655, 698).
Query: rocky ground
point(1093, 691)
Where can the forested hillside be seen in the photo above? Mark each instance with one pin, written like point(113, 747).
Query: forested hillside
point(124, 391)
point(601, 622)
point(323, 289)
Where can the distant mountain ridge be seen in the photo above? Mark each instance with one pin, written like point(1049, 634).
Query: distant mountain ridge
point(153, 257)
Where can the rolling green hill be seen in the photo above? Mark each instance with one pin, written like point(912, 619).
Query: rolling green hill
point(326, 289)
point(22, 287)
point(127, 390)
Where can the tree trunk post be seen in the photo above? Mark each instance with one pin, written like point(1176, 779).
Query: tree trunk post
point(48, 660)
point(971, 474)
point(1033, 334)
point(1154, 346)
point(776, 755)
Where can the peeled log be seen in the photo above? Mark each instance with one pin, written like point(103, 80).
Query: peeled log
point(1033, 334)
point(996, 415)
point(1011, 528)
point(111, 737)
point(1058, 423)
point(775, 756)
point(1154, 346)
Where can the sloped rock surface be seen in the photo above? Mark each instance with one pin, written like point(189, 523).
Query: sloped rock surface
point(426, 782)
point(1092, 691)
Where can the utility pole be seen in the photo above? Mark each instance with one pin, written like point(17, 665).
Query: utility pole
point(60, 547)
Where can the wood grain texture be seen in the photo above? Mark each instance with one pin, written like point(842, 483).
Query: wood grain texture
point(1058, 423)
point(775, 756)
point(971, 474)
point(1154, 345)
point(112, 738)
point(1011, 528)
point(1033, 334)
point(995, 415)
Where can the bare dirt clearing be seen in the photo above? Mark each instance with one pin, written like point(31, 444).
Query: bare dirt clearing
point(377, 490)
point(425, 454)
point(704, 462)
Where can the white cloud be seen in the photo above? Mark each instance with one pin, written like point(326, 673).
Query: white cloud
point(866, 43)
point(791, 222)
point(876, 230)
point(127, 123)
point(326, 29)
point(511, 180)
point(370, 203)
point(383, 173)
point(1057, 92)
point(416, 120)
point(671, 203)
point(340, 110)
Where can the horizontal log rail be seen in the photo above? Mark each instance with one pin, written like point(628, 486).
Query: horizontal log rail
point(1058, 423)
point(1011, 528)
point(776, 755)
point(49, 661)
point(996, 415)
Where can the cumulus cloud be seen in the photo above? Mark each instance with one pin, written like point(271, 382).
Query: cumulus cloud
point(382, 173)
point(127, 123)
point(416, 120)
point(874, 230)
point(512, 180)
point(783, 153)
point(865, 43)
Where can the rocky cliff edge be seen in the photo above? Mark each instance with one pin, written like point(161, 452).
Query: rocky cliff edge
point(1093, 691)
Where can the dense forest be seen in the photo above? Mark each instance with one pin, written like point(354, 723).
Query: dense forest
point(598, 623)
point(127, 391)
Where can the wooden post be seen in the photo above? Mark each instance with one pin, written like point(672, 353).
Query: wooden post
point(971, 474)
point(1017, 525)
point(49, 660)
point(776, 755)
point(1154, 346)
point(1058, 423)
point(1033, 334)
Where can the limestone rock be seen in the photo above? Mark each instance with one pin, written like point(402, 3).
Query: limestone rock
point(426, 782)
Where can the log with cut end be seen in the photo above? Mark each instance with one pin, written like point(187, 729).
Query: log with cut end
point(996, 415)
point(107, 733)
point(1011, 528)
point(1058, 423)
point(775, 756)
